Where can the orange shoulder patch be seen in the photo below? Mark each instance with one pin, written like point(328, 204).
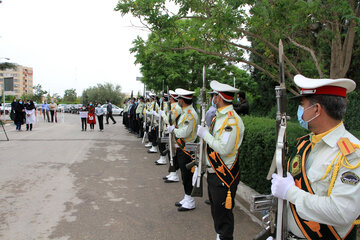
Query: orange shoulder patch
point(189, 111)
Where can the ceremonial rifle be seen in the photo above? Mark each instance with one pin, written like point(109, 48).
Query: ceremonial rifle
point(169, 140)
point(267, 202)
point(145, 122)
point(152, 116)
point(199, 148)
point(160, 117)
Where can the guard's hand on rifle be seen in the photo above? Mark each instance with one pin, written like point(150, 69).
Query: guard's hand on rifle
point(161, 112)
point(202, 131)
point(171, 128)
point(154, 113)
point(280, 185)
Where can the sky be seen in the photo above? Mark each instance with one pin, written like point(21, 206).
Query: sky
point(71, 43)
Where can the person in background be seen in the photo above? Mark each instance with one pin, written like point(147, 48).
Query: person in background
point(12, 112)
point(242, 105)
point(139, 116)
point(30, 112)
point(99, 111)
point(83, 118)
point(45, 110)
point(211, 111)
point(109, 112)
point(53, 107)
point(19, 114)
point(91, 116)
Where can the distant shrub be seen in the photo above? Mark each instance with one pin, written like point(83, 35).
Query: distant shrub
point(258, 147)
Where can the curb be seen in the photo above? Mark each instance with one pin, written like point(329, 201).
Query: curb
point(243, 200)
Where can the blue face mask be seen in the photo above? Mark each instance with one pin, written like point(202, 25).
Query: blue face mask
point(99, 105)
point(300, 114)
point(20, 102)
point(212, 103)
point(238, 99)
point(90, 104)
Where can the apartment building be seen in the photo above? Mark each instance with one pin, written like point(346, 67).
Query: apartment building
point(18, 81)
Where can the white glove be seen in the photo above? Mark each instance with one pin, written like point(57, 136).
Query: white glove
point(154, 113)
point(280, 185)
point(144, 125)
point(148, 113)
point(202, 131)
point(161, 112)
point(270, 238)
point(171, 128)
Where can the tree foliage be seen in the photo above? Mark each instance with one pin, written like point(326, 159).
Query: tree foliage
point(70, 95)
point(319, 36)
point(162, 63)
point(101, 93)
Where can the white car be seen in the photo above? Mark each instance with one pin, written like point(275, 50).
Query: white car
point(7, 108)
point(115, 110)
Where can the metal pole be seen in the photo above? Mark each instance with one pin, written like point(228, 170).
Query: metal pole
point(3, 106)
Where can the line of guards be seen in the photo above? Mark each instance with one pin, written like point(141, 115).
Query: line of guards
point(319, 207)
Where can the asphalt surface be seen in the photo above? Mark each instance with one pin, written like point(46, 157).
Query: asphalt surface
point(57, 182)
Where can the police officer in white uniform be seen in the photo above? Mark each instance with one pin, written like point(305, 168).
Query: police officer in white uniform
point(185, 132)
point(223, 140)
point(174, 114)
point(322, 184)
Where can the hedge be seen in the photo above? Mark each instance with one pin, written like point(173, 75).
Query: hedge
point(258, 147)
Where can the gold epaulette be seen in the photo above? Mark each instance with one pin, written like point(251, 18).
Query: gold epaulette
point(346, 147)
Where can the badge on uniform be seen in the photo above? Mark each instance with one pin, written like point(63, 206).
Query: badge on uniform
point(186, 122)
point(295, 167)
point(350, 178)
point(228, 129)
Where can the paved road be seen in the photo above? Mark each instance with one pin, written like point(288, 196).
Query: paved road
point(58, 182)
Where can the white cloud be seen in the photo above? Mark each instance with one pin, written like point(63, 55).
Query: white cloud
point(70, 43)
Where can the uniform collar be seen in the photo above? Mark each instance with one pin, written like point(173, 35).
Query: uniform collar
point(224, 110)
point(187, 107)
point(332, 137)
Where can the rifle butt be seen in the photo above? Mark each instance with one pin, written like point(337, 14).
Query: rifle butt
point(165, 152)
point(263, 235)
point(198, 191)
point(172, 168)
point(190, 165)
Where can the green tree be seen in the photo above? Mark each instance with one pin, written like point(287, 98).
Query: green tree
point(38, 93)
point(7, 65)
point(318, 35)
point(70, 95)
point(161, 63)
point(101, 93)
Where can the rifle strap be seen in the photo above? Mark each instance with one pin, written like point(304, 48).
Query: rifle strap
point(296, 166)
point(226, 175)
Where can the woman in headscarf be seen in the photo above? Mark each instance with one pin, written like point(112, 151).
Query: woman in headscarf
point(19, 114)
point(30, 111)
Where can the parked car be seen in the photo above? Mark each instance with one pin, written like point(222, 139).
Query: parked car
point(7, 108)
point(115, 109)
point(61, 107)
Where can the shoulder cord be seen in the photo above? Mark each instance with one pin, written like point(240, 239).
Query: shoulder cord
point(193, 130)
point(237, 133)
point(341, 162)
